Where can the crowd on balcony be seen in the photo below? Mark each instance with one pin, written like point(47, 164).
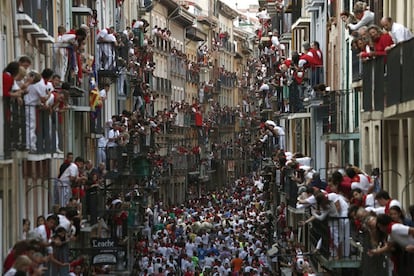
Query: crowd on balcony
point(371, 40)
point(300, 73)
point(33, 107)
point(45, 246)
point(164, 34)
point(204, 56)
point(349, 205)
point(70, 54)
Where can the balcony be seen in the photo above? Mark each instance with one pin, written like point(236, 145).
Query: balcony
point(30, 128)
point(245, 48)
point(144, 7)
point(111, 59)
point(40, 12)
point(82, 11)
point(228, 80)
point(177, 65)
point(161, 85)
point(161, 45)
point(329, 257)
point(193, 76)
point(183, 17)
point(228, 46)
point(207, 20)
point(180, 163)
point(356, 68)
point(314, 5)
point(387, 86)
point(195, 34)
point(227, 10)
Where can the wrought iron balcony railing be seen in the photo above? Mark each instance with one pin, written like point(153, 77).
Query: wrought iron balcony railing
point(387, 80)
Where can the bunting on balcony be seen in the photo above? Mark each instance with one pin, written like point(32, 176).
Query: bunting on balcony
point(95, 100)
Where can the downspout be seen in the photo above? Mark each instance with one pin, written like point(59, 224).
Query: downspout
point(20, 189)
point(16, 51)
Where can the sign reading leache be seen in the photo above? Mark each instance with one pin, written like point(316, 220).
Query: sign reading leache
point(105, 251)
point(102, 243)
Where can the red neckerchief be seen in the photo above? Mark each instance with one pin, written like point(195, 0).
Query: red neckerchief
point(364, 201)
point(389, 227)
point(356, 178)
point(48, 232)
point(387, 207)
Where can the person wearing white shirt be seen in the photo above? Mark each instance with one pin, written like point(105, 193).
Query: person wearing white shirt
point(37, 94)
point(63, 191)
point(112, 145)
point(385, 202)
point(398, 32)
point(107, 45)
point(399, 233)
point(365, 17)
point(343, 221)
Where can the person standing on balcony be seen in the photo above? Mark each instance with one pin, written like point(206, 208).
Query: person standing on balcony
point(112, 145)
point(37, 94)
point(60, 51)
point(107, 48)
point(9, 74)
point(326, 209)
point(68, 178)
point(398, 32)
point(13, 109)
point(56, 103)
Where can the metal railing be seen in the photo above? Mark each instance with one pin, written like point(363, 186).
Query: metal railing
point(356, 67)
point(161, 85)
point(161, 44)
point(177, 65)
point(30, 128)
point(193, 76)
point(42, 129)
point(228, 80)
point(387, 80)
point(107, 58)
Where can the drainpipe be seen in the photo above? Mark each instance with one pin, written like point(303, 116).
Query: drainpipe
point(18, 159)
point(16, 51)
point(68, 17)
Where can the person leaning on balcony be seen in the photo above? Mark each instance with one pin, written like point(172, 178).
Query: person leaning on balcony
point(398, 233)
point(381, 42)
point(364, 16)
point(9, 74)
point(398, 32)
point(70, 177)
point(307, 59)
point(385, 201)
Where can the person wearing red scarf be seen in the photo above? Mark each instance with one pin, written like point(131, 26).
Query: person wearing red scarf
point(385, 201)
point(398, 233)
point(381, 42)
